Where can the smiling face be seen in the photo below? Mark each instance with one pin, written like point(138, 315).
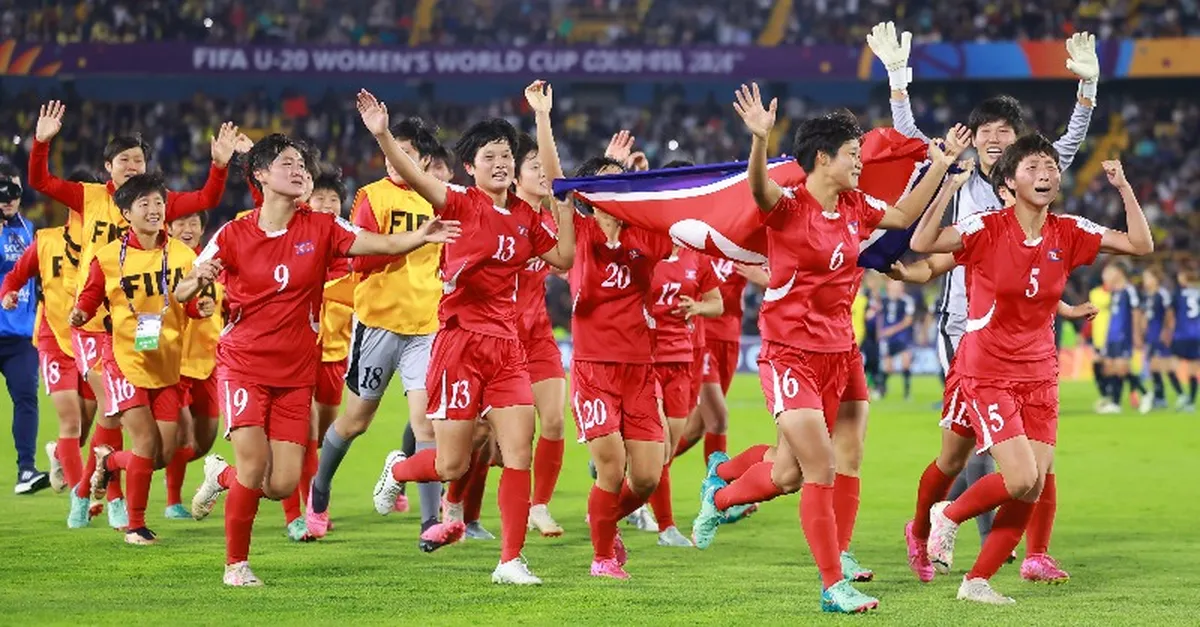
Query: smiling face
point(531, 180)
point(126, 164)
point(492, 167)
point(188, 229)
point(991, 139)
point(1036, 180)
point(845, 167)
point(325, 201)
point(286, 175)
point(147, 213)
point(440, 170)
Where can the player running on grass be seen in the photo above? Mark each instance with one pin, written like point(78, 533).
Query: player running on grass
point(810, 368)
point(994, 124)
point(1018, 260)
point(95, 221)
point(274, 263)
point(477, 370)
point(141, 358)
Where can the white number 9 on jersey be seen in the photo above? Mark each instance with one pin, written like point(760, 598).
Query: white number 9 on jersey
point(282, 276)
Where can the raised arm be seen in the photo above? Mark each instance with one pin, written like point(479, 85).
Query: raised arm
point(1138, 240)
point(540, 96)
point(49, 123)
point(759, 121)
point(181, 204)
point(375, 117)
point(929, 237)
point(941, 156)
point(893, 52)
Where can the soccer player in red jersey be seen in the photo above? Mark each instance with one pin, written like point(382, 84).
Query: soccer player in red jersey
point(477, 369)
point(95, 220)
point(142, 357)
point(1018, 260)
point(810, 368)
point(274, 263)
point(683, 292)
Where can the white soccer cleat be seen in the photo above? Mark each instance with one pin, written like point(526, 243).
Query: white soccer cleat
point(452, 511)
point(540, 519)
point(1146, 405)
point(942, 534)
point(387, 487)
point(980, 590)
point(210, 488)
point(642, 520)
point(1109, 408)
point(672, 537)
point(58, 481)
point(515, 572)
point(239, 574)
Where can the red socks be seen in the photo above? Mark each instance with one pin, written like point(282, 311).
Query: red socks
point(755, 486)
point(456, 490)
point(660, 501)
point(138, 471)
point(934, 487)
point(113, 438)
point(987, 494)
point(176, 471)
point(118, 461)
point(514, 511)
point(241, 506)
point(473, 499)
point(601, 506)
point(820, 530)
point(1041, 522)
point(309, 468)
point(228, 477)
point(547, 464)
point(291, 506)
point(738, 466)
point(72, 463)
point(627, 501)
point(845, 507)
point(419, 467)
point(713, 442)
point(1006, 533)
point(684, 445)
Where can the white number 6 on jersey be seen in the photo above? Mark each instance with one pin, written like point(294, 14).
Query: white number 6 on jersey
point(1032, 290)
point(837, 258)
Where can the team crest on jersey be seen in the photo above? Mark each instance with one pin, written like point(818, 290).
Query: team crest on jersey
point(853, 226)
point(306, 247)
point(689, 275)
point(1055, 254)
point(635, 253)
point(522, 231)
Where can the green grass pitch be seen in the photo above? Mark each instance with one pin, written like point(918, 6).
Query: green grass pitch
point(1127, 530)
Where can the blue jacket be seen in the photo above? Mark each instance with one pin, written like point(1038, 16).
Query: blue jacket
point(17, 235)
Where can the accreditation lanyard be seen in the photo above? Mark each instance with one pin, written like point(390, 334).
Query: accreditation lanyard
point(149, 325)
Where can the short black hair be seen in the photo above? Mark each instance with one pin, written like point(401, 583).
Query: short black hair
point(121, 143)
point(678, 163)
point(824, 134)
point(420, 135)
point(592, 167)
point(481, 134)
point(443, 154)
point(139, 186)
point(998, 109)
point(9, 171)
point(203, 216)
point(266, 150)
point(525, 147)
point(83, 174)
point(1026, 145)
point(330, 179)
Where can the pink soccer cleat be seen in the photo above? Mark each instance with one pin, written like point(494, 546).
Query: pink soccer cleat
point(318, 523)
point(1042, 568)
point(441, 534)
point(401, 505)
point(918, 557)
point(608, 568)
point(620, 553)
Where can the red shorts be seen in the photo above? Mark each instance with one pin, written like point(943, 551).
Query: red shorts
point(609, 398)
point(794, 378)
point(200, 395)
point(675, 381)
point(698, 374)
point(1002, 410)
point(956, 407)
point(58, 371)
point(331, 381)
point(283, 413)
point(121, 396)
point(470, 374)
point(87, 347)
point(720, 362)
point(543, 359)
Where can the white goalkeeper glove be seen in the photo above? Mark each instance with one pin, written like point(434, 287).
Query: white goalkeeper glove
point(1083, 62)
point(893, 52)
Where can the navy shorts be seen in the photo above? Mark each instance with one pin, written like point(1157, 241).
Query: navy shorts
point(1118, 350)
point(894, 346)
point(1156, 349)
point(1186, 349)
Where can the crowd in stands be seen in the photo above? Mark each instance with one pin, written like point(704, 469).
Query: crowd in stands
point(625, 22)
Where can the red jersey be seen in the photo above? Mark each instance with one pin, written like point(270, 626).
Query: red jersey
point(686, 274)
point(609, 284)
point(533, 320)
point(479, 271)
point(274, 284)
point(728, 326)
point(813, 261)
point(1014, 291)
